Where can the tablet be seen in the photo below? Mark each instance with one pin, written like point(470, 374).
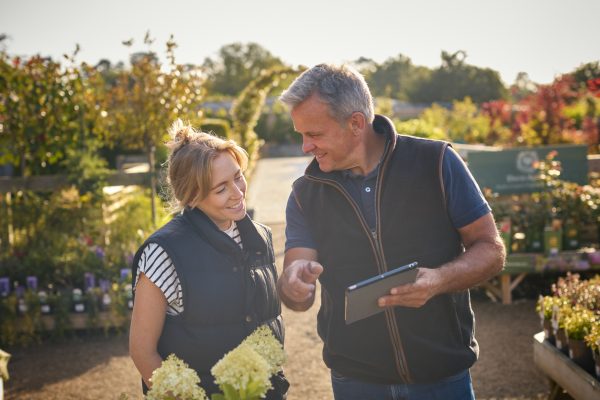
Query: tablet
point(361, 298)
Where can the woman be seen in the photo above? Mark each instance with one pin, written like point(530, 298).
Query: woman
point(206, 279)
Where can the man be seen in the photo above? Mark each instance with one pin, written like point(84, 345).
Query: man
point(372, 200)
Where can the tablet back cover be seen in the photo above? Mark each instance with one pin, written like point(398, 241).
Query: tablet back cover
point(361, 302)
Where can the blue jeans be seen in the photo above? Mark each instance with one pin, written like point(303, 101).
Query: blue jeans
point(456, 387)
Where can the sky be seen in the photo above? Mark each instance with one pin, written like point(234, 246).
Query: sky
point(544, 38)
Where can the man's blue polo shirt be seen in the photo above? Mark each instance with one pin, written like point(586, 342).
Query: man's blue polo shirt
point(464, 200)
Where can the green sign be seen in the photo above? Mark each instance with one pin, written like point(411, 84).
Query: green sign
point(513, 170)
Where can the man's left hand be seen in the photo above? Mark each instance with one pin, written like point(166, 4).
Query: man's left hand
point(414, 294)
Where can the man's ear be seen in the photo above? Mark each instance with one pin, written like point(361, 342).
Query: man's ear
point(358, 122)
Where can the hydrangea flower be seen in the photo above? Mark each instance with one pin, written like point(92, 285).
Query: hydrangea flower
point(242, 374)
point(175, 380)
point(268, 347)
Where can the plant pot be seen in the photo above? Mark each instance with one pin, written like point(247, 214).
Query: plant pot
point(581, 355)
point(561, 340)
point(596, 357)
point(548, 331)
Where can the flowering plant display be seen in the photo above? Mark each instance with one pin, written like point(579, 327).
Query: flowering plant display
point(242, 374)
point(545, 305)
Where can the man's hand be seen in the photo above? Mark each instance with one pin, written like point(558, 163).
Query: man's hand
point(414, 294)
point(297, 283)
point(482, 259)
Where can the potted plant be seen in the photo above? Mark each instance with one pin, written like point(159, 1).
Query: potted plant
point(577, 325)
point(560, 312)
point(544, 308)
point(592, 340)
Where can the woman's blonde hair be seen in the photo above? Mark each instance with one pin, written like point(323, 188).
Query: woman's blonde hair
point(189, 165)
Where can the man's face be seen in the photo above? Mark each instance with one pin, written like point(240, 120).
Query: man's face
point(333, 144)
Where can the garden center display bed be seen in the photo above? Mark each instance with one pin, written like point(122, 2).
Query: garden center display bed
point(518, 265)
point(563, 372)
point(79, 321)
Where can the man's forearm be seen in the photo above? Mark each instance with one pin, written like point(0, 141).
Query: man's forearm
point(480, 262)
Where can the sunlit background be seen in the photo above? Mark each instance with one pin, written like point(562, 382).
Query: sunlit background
point(540, 37)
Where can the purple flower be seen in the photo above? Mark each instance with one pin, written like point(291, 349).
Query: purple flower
point(89, 281)
point(4, 286)
point(125, 274)
point(104, 285)
point(100, 252)
point(32, 283)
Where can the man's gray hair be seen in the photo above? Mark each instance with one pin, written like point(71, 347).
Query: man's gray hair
point(342, 88)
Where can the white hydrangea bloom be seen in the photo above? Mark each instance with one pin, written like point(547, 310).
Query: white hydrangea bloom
point(175, 379)
point(268, 347)
point(244, 372)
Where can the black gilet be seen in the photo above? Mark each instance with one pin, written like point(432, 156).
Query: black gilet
point(227, 292)
point(401, 345)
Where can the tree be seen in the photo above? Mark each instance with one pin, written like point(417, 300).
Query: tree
point(522, 87)
point(146, 100)
point(43, 112)
point(248, 105)
point(542, 120)
point(586, 73)
point(385, 80)
point(395, 78)
point(500, 117)
point(235, 66)
point(455, 80)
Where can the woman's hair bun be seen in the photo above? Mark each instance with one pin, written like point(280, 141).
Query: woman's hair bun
point(179, 131)
point(180, 134)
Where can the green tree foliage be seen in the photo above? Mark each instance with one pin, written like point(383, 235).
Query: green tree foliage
point(109, 71)
point(275, 124)
point(147, 99)
point(397, 77)
point(461, 124)
point(42, 110)
point(247, 108)
point(465, 123)
point(586, 73)
point(218, 126)
point(455, 80)
point(421, 128)
point(562, 112)
point(522, 87)
point(235, 66)
point(500, 114)
point(47, 113)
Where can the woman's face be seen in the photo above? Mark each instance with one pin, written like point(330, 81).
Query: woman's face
point(226, 199)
